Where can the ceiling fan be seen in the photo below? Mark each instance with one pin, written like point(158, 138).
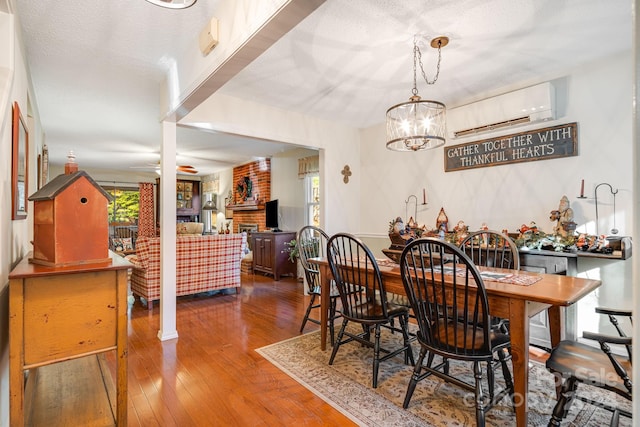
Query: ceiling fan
point(179, 168)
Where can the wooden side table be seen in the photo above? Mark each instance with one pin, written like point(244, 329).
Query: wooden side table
point(63, 313)
point(270, 255)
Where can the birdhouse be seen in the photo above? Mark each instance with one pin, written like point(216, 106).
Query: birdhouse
point(70, 221)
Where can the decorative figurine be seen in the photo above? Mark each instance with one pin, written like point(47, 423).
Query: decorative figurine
point(442, 221)
point(564, 216)
point(461, 231)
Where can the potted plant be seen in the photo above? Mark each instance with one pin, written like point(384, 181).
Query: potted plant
point(292, 250)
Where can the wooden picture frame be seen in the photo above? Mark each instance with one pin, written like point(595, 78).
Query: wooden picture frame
point(45, 166)
point(19, 166)
point(228, 213)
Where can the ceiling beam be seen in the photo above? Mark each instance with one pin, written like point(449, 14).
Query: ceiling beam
point(279, 24)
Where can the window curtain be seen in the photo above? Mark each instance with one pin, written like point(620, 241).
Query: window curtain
point(308, 166)
point(146, 222)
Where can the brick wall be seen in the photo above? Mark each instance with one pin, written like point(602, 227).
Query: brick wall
point(259, 173)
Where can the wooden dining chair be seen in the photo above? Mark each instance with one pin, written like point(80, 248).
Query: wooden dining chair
point(312, 243)
point(364, 301)
point(450, 303)
point(488, 248)
point(574, 362)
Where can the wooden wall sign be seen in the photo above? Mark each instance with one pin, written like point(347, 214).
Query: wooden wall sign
point(540, 144)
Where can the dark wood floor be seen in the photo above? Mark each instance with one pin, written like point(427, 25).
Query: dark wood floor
point(211, 375)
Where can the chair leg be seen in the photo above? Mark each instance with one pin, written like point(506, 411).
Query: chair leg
point(491, 379)
point(408, 352)
point(564, 402)
point(477, 374)
point(332, 315)
point(506, 373)
point(339, 340)
point(416, 376)
point(306, 315)
point(376, 356)
point(367, 332)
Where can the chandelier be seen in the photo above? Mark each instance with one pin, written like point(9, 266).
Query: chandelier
point(173, 4)
point(418, 124)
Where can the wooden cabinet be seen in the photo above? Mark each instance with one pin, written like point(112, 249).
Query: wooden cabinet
point(64, 313)
point(564, 263)
point(187, 199)
point(549, 262)
point(270, 255)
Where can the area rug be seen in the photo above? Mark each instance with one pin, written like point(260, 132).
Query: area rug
point(346, 385)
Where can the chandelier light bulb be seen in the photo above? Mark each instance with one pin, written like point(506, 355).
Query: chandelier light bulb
point(418, 124)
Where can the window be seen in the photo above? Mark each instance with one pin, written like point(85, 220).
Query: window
point(312, 198)
point(125, 205)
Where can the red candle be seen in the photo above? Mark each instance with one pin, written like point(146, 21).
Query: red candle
point(582, 189)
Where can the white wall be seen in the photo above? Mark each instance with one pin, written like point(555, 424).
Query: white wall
point(288, 188)
point(509, 195)
point(338, 144)
point(598, 98)
point(238, 22)
point(15, 86)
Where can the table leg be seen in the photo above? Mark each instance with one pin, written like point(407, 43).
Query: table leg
point(556, 325)
point(325, 289)
point(121, 348)
point(16, 354)
point(519, 332)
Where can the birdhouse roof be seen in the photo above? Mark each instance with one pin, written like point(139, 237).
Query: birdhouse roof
point(61, 182)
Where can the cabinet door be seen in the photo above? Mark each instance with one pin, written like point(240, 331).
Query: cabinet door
point(262, 258)
point(267, 250)
point(550, 264)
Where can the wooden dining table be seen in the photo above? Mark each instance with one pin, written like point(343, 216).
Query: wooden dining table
point(512, 301)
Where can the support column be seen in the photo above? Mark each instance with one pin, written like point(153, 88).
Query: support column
point(168, 233)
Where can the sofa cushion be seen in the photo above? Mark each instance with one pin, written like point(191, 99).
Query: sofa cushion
point(203, 263)
point(189, 228)
point(121, 244)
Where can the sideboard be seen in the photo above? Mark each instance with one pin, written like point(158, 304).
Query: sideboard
point(63, 313)
point(270, 255)
point(565, 263)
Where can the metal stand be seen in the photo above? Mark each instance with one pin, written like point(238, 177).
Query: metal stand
point(614, 230)
point(406, 208)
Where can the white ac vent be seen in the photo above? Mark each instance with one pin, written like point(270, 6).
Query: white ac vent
point(528, 105)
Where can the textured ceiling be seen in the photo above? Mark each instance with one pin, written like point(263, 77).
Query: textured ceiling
point(96, 65)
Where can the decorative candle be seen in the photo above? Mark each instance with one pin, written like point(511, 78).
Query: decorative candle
point(424, 196)
point(582, 189)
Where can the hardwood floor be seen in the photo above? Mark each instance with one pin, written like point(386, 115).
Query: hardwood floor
point(211, 375)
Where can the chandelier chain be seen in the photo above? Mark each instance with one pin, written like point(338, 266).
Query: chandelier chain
point(417, 59)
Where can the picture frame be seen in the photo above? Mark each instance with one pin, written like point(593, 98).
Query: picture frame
point(45, 166)
point(228, 213)
point(19, 165)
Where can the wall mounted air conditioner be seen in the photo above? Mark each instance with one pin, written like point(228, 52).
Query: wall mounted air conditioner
point(528, 105)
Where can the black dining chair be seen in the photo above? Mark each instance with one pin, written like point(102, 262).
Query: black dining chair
point(312, 243)
point(574, 362)
point(489, 248)
point(364, 301)
point(450, 304)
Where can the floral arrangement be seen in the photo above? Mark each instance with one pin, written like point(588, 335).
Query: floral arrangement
point(291, 248)
point(244, 187)
point(533, 238)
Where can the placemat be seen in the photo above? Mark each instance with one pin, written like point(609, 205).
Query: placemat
point(516, 279)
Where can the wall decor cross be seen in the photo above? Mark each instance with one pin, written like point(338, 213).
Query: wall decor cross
point(346, 172)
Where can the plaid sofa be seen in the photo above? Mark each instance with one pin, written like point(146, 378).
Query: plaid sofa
point(203, 263)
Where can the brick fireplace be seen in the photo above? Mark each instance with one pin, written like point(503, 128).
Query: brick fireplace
point(259, 172)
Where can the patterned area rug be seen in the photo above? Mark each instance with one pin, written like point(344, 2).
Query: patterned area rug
point(347, 387)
